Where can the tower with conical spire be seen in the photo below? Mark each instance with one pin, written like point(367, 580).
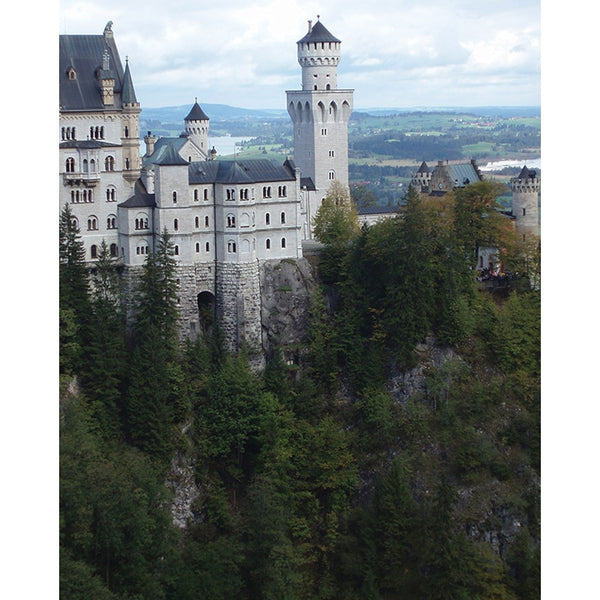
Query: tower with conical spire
point(130, 135)
point(320, 112)
point(196, 128)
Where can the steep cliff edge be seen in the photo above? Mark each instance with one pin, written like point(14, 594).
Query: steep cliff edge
point(286, 287)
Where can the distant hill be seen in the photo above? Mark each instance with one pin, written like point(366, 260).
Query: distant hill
point(223, 112)
point(215, 112)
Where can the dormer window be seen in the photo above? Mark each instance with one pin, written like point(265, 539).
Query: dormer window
point(72, 74)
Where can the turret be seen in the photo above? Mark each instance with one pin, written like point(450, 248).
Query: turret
point(196, 128)
point(320, 112)
point(130, 134)
point(107, 81)
point(319, 53)
point(525, 206)
point(149, 140)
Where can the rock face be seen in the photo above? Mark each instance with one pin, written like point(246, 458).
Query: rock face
point(404, 384)
point(182, 481)
point(286, 287)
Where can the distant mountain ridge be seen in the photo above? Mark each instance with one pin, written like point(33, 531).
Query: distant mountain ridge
point(223, 112)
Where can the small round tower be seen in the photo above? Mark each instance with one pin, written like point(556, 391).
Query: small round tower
point(319, 53)
point(525, 205)
point(196, 128)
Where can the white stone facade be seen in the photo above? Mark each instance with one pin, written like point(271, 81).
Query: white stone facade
point(226, 219)
point(320, 113)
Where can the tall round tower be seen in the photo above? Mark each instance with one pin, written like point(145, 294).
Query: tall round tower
point(196, 128)
point(320, 113)
point(525, 206)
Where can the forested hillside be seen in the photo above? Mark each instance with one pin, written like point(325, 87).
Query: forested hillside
point(399, 460)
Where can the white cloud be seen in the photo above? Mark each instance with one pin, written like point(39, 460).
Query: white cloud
point(391, 49)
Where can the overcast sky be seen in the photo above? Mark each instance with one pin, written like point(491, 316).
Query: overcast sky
point(395, 53)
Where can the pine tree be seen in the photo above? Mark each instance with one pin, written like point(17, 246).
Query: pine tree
point(104, 377)
point(73, 294)
point(155, 374)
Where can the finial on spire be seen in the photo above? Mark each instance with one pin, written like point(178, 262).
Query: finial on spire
point(318, 17)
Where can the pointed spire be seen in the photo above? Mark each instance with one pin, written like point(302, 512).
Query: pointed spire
point(196, 114)
point(128, 93)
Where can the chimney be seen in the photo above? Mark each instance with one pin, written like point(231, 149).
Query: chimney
point(149, 141)
point(309, 26)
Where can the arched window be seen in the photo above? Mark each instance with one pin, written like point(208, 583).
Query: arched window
point(114, 250)
point(268, 219)
point(205, 194)
point(283, 242)
point(282, 218)
point(111, 194)
point(126, 131)
point(92, 166)
point(207, 247)
point(175, 224)
point(126, 163)
point(231, 248)
point(176, 250)
point(174, 197)
point(230, 221)
point(109, 163)
point(92, 224)
point(195, 195)
point(111, 222)
point(94, 251)
point(85, 165)
point(197, 222)
point(331, 175)
point(70, 165)
point(197, 246)
point(206, 221)
point(268, 244)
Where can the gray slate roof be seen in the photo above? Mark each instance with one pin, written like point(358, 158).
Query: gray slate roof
point(238, 171)
point(526, 172)
point(140, 199)
point(318, 33)
point(84, 53)
point(196, 114)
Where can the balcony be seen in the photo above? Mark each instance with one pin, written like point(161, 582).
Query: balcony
point(84, 179)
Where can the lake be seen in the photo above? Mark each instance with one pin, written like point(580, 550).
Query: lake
point(225, 145)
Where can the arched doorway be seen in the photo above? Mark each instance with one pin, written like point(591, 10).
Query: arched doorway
point(206, 311)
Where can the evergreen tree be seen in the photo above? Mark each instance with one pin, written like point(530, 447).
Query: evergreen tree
point(73, 293)
point(154, 400)
point(104, 378)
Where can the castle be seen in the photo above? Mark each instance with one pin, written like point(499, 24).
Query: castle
point(226, 218)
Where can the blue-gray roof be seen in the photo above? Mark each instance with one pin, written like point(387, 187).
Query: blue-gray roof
point(168, 155)
point(84, 53)
point(164, 146)
point(463, 174)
